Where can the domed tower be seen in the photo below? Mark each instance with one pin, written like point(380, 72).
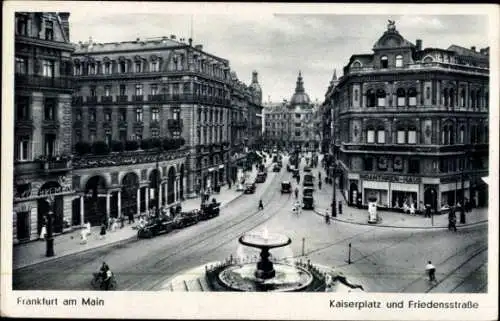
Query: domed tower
point(256, 90)
point(300, 97)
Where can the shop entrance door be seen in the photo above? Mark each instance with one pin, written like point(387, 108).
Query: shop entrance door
point(23, 226)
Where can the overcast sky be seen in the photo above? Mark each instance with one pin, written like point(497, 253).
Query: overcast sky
point(279, 45)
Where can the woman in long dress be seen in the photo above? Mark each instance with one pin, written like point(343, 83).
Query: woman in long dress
point(43, 232)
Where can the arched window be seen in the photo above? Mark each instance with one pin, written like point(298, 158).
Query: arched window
point(462, 134)
point(401, 97)
point(384, 62)
point(399, 61)
point(412, 97)
point(380, 98)
point(462, 97)
point(428, 60)
point(370, 98)
point(356, 64)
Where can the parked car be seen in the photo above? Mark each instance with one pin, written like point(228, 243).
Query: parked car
point(261, 178)
point(209, 210)
point(156, 226)
point(184, 219)
point(250, 188)
point(308, 198)
point(308, 180)
point(286, 187)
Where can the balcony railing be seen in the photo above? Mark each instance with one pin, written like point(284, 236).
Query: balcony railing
point(189, 98)
point(122, 124)
point(122, 99)
point(433, 65)
point(137, 98)
point(91, 99)
point(50, 123)
point(77, 100)
point(42, 166)
point(24, 123)
point(106, 99)
point(388, 148)
point(43, 82)
point(52, 166)
point(174, 124)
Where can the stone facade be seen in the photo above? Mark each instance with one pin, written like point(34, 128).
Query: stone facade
point(42, 144)
point(411, 124)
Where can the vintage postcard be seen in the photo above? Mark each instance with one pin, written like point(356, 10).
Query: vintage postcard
point(250, 161)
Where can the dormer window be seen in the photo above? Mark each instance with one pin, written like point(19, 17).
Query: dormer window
point(49, 30)
point(384, 62)
point(399, 61)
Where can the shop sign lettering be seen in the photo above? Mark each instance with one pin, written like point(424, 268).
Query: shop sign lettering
point(391, 178)
point(54, 190)
point(22, 208)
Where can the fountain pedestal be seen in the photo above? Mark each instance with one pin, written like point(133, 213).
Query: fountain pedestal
point(265, 268)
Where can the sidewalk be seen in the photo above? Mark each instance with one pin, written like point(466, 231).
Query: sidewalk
point(30, 253)
point(354, 215)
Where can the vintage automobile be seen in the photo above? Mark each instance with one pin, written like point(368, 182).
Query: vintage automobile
point(209, 210)
point(156, 226)
point(184, 219)
point(250, 188)
point(308, 180)
point(308, 199)
point(261, 177)
point(286, 187)
point(276, 168)
point(295, 173)
point(307, 169)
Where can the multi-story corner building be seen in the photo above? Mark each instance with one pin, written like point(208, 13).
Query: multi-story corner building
point(294, 124)
point(245, 122)
point(327, 118)
point(411, 124)
point(42, 115)
point(142, 93)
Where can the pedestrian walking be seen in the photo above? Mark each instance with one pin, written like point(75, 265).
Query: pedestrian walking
point(462, 214)
point(130, 217)
point(452, 220)
point(340, 207)
point(319, 184)
point(296, 192)
point(431, 271)
point(427, 210)
point(83, 236)
point(261, 205)
point(102, 235)
point(327, 217)
point(43, 232)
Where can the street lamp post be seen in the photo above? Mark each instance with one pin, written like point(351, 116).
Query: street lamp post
point(334, 197)
point(50, 238)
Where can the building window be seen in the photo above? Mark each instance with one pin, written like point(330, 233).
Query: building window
point(413, 166)
point(22, 107)
point(92, 135)
point(92, 69)
point(92, 115)
point(92, 91)
point(401, 137)
point(384, 63)
point(138, 115)
point(370, 135)
point(138, 90)
point(48, 68)
point(49, 30)
point(155, 114)
point(138, 67)
point(21, 66)
point(399, 61)
point(427, 93)
point(22, 26)
point(356, 95)
point(462, 97)
point(401, 97)
point(22, 148)
point(50, 109)
point(123, 114)
point(154, 89)
point(107, 115)
point(123, 135)
point(368, 164)
point(78, 135)
point(382, 163)
point(412, 97)
point(107, 69)
point(445, 97)
point(412, 136)
point(380, 98)
point(123, 90)
point(78, 115)
point(155, 133)
point(297, 116)
point(123, 67)
point(462, 135)
point(297, 133)
point(154, 66)
point(107, 91)
point(50, 145)
point(107, 137)
point(370, 98)
point(381, 136)
point(78, 70)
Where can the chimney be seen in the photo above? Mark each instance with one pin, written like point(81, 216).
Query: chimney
point(198, 47)
point(172, 37)
point(65, 22)
point(254, 76)
point(418, 44)
point(190, 41)
point(473, 48)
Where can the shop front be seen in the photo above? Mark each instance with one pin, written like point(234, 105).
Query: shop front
point(403, 193)
point(376, 190)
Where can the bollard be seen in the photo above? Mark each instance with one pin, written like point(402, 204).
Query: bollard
point(349, 259)
point(303, 245)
